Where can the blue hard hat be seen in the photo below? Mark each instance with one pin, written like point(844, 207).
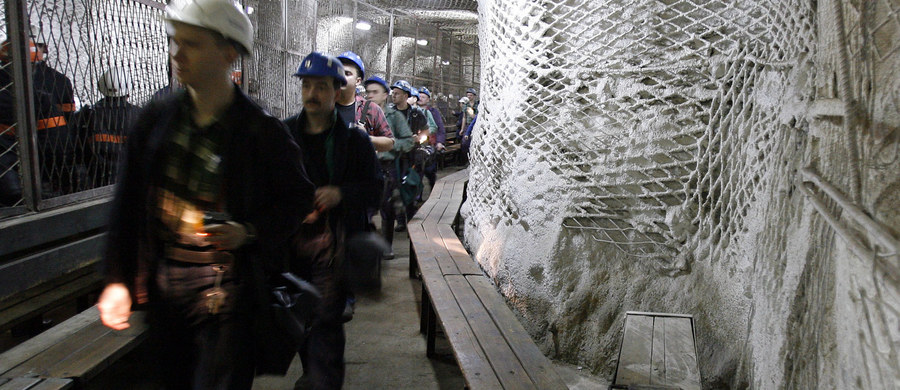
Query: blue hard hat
point(379, 80)
point(404, 86)
point(318, 64)
point(355, 60)
point(472, 91)
point(423, 90)
point(414, 92)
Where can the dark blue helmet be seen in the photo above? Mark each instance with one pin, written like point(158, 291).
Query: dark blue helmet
point(424, 91)
point(414, 92)
point(379, 80)
point(472, 91)
point(355, 60)
point(404, 86)
point(318, 64)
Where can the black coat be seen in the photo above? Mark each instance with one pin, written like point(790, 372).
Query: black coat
point(356, 171)
point(264, 185)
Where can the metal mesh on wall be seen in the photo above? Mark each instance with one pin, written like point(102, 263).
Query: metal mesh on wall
point(652, 88)
point(672, 132)
point(79, 41)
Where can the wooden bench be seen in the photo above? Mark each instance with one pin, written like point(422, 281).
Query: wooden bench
point(492, 348)
point(27, 307)
point(69, 354)
point(50, 259)
point(657, 352)
point(451, 148)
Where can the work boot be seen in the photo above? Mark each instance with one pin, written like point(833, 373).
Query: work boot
point(347, 315)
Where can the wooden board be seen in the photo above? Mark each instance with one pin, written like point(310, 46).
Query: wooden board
point(37, 384)
point(83, 353)
point(658, 350)
point(465, 265)
point(35, 345)
point(44, 266)
point(471, 358)
point(503, 360)
point(535, 363)
point(29, 231)
point(22, 311)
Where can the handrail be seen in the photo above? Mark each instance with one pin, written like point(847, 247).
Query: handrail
point(875, 229)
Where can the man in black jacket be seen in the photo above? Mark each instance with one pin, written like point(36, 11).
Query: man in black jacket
point(341, 162)
point(209, 199)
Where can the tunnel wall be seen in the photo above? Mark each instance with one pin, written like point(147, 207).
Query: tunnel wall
point(648, 157)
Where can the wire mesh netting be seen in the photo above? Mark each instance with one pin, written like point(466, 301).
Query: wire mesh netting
point(688, 77)
point(92, 64)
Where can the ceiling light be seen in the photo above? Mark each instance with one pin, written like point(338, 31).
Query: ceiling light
point(365, 26)
point(445, 62)
point(250, 10)
point(422, 42)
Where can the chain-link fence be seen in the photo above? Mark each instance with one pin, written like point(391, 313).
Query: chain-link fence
point(96, 61)
point(90, 65)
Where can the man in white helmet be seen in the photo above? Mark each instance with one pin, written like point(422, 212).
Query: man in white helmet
point(210, 196)
point(102, 127)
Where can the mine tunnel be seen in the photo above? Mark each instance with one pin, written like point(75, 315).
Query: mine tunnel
point(655, 194)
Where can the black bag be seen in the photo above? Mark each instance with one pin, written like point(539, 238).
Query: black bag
point(293, 304)
point(283, 322)
point(362, 262)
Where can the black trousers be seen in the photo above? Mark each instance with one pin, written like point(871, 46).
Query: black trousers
point(196, 349)
point(322, 355)
point(389, 200)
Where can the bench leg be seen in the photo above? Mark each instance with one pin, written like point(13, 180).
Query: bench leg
point(413, 262)
point(430, 331)
point(426, 309)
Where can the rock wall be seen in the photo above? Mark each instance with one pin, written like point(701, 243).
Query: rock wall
point(648, 157)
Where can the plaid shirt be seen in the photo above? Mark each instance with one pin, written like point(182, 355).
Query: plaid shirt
point(192, 176)
point(376, 124)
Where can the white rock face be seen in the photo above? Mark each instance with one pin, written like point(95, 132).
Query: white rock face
point(645, 155)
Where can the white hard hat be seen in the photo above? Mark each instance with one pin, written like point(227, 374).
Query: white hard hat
point(114, 83)
point(222, 16)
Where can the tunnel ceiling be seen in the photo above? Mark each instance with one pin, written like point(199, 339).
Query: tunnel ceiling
point(459, 17)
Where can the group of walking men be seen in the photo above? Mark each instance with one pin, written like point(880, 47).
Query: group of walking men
point(215, 196)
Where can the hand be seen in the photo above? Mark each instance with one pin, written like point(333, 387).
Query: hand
point(327, 197)
point(115, 306)
point(227, 236)
point(439, 146)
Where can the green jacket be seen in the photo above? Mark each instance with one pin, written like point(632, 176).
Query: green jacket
point(403, 136)
point(432, 125)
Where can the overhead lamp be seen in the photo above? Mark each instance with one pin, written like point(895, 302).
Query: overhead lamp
point(422, 42)
point(363, 25)
point(250, 10)
point(445, 62)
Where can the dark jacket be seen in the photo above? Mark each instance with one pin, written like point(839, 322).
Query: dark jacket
point(102, 129)
point(264, 184)
point(356, 171)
